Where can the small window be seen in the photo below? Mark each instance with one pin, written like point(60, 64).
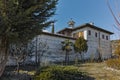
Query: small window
point(96, 34)
point(81, 34)
point(89, 32)
point(102, 36)
point(106, 37)
point(75, 35)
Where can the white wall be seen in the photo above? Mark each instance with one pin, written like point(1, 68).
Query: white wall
point(94, 43)
point(55, 54)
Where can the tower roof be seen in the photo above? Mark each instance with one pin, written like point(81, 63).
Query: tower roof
point(86, 25)
point(71, 23)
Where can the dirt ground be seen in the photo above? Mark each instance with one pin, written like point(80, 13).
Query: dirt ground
point(100, 71)
point(25, 73)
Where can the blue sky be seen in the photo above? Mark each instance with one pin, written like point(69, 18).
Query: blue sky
point(85, 11)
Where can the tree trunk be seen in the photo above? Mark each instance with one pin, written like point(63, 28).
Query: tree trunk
point(3, 54)
point(99, 55)
point(81, 57)
point(36, 53)
point(66, 58)
point(76, 59)
point(2, 66)
point(18, 67)
point(39, 59)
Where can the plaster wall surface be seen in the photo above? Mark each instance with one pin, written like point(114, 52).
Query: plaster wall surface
point(97, 46)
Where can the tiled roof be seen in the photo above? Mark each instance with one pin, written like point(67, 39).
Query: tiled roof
point(65, 29)
point(58, 35)
point(86, 25)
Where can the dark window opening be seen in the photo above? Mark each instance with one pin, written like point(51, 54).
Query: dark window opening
point(95, 34)
point(89, 32)
point(106, 37)
point(102, 36)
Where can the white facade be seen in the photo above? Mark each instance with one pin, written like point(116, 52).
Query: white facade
point(97, 44)
point(98, 41)
point(55, 52)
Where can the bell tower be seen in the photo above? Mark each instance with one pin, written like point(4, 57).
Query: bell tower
point(71, 23)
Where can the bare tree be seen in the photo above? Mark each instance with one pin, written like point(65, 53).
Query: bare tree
point(39, 47)
point(3, 57)
point(115, 16)
point(42, 48)
point(19, 53)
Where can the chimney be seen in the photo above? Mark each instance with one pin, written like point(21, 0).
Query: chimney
point(52, 24)
point(91, 23)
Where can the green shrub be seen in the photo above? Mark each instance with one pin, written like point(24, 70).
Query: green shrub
point(113, 63)
point(60, 73)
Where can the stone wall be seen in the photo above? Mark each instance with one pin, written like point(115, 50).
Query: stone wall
point(54, 53)
point(96, 45)
point(51, 53)
point(99, 45)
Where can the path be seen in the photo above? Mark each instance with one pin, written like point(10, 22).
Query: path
point(100, 71)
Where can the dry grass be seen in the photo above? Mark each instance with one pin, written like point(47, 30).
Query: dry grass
point(100, 71)
point(25, 73)
point(114, 63)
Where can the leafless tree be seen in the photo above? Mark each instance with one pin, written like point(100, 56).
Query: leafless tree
point(39, 48)
point(19, 52)
point(115, 16)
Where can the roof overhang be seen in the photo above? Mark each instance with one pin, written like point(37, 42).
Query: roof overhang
point(58, 35)
point(65, 29)
point(86, 25)
point(92, 26)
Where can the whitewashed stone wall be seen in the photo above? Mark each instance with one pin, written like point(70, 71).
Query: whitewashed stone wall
point(57, 50)
point(54, 53)
point(96, 45)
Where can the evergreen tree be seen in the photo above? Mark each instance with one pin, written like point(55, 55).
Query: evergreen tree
point(20, 21)
point(67, 47)
point(80, 46)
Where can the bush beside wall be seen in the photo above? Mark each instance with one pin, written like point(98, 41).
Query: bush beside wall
point(61, 73)
point(114, 63)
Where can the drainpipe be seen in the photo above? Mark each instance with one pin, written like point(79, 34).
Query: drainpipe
point(99, 49)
